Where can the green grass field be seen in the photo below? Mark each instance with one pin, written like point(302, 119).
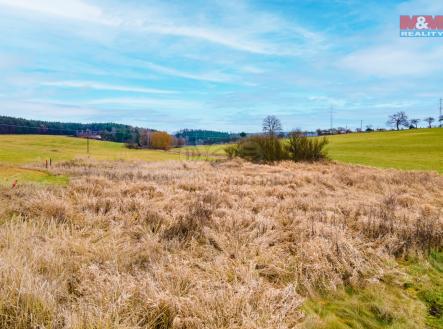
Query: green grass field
point(418, 149)
point(18, 150)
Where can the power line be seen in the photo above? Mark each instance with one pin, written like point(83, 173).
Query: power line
point(441, 105)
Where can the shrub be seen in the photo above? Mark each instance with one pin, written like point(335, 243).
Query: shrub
point(262, 148)
point(132, 145)
point(231, 151)
point(302, 148)
point(161, 140)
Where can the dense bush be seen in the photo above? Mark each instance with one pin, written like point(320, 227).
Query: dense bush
point(261, 148)
point(302, 148)
point(161, 140)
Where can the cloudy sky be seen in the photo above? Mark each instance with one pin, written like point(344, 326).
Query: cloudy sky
point(221, 64)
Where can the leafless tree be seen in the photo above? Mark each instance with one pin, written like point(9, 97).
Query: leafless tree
point(271, 125)
point(415, 122)
point(398, 119)
point(429, 120)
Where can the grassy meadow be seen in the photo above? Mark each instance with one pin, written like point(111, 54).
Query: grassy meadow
point(198, 244)
point(122, 238)
point(17, 152)
point(416, 149)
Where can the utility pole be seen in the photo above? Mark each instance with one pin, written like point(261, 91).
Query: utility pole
point(361, 125)
point(332, 117)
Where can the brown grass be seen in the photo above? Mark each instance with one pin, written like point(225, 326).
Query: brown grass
point(201, 245)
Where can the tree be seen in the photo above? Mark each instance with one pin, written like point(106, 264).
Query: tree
point(429, 120)
point(161, 140)
point(271, 125)
point(243, 134)
point(398, 119)
point(415, 122)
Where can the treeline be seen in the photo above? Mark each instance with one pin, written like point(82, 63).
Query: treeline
point(106, 131)
point(133, 136)
point(199, 137)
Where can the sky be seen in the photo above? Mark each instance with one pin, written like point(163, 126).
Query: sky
point(219, 65)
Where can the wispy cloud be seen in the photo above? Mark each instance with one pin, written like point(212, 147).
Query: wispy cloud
point(104, 86)
point(71, 9)
point(147, 103)
point(395, 60)
point(201, 63)
point(205, 76)
point(160, 21)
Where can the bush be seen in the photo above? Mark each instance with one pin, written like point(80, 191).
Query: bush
point(261, 148)
point(132, 145)
point(231, 151)
point(302, 148)
point(161, 140)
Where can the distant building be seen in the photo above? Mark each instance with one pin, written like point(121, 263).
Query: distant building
point(89, 134)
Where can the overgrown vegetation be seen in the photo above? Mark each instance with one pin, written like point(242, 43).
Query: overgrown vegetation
point(301, 148)
point(268, 147)
point(222, 245)
point(410, 295)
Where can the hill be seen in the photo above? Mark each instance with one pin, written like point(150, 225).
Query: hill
point(19, 150)
point(108, 131)
point(415, 149)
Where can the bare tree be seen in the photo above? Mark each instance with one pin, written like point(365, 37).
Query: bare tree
point(398, 119)
point(415, 122)
point(271, 125)
point(429, 120)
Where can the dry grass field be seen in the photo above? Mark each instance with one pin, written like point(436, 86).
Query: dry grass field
point(220, 245)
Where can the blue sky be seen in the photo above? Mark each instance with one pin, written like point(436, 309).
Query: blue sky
point(221, 64)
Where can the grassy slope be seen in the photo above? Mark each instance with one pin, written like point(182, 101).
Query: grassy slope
point(420, 149)
point(19, 149)
point(16, 150)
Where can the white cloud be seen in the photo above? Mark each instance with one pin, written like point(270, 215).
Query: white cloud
point(395, 60)
point(71, 9)
point(205, 76)
point(38, 110)
point(161, 20)
point(104, 86)
point(167, 104)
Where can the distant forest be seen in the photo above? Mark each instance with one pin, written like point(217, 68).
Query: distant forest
point(107, 131)
point(197, 137)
